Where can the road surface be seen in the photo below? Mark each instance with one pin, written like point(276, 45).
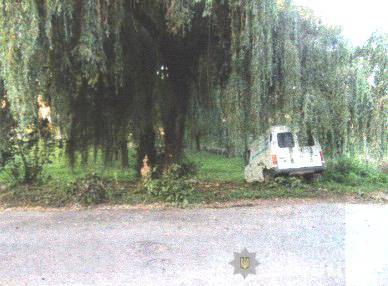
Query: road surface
point(296, 243)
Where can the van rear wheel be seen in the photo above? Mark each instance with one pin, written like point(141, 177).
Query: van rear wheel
point(312, 177)
point(317, 176)
point(268, 176)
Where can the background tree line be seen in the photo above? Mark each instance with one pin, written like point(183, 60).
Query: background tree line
point(174, 73)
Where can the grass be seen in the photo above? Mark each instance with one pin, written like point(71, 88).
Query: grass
point(219, 179)
point(59, 170)
point(218, 168)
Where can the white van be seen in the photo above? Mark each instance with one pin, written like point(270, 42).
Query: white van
point(280, 152)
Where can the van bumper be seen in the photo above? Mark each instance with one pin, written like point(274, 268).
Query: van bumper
point(300, 171)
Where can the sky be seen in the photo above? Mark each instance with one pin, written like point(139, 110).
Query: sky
point(358, 18)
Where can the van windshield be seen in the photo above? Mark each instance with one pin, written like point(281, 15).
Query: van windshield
point(285, 140)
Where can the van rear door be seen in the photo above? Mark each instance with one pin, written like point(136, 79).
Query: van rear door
point(310, 156)
point(286, 153)
point(309, 153)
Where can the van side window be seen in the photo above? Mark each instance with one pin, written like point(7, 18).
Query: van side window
point(285, 140)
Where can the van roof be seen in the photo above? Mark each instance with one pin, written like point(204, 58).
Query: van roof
point(279, 128)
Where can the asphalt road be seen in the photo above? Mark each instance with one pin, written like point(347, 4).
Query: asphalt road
point(296, 243)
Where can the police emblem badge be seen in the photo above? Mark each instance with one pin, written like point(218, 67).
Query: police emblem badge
point(244, 263)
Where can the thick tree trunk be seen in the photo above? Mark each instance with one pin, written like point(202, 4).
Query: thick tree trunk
point(77, 23)
point(146, 147)
point(247, 91)
point(174, 133)
point(174, 122)
point(124, 154)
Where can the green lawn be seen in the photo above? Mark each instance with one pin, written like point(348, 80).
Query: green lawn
point(59, 172)
point(213, 167)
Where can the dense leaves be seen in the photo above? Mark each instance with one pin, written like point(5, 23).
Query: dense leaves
point(145, 72)
point(288, 68)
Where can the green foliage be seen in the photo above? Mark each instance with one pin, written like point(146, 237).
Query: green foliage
point(26, 159)
point(186, 168)
point(353, 172)
point(291, 182)
point(82, 188)
point(289, 68)
point(91, 190)
point(217, 168)
point(241, 65)
point(171, 187)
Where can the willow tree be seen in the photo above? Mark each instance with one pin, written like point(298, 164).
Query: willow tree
point(83, 57)
point(286, 67)
point(242, 65)
point(6, 127)
point(369, 95)
point(187, 34)
point(95, 62)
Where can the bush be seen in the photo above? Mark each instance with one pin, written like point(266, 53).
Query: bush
point(91, 190)
point(346, 170)
point(172, 186)
point(25, 159)
point(188, 168)
point(185, 168)
point(288, 182)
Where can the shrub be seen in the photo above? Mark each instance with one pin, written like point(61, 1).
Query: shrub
point(171, 187)
point(91, 190)
point(188, 168)
point(352, 171)
point(289, 182)
point(26, 157)
point(184, 169)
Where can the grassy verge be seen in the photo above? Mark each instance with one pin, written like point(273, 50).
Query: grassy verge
point(217, 168)
point(218, 179)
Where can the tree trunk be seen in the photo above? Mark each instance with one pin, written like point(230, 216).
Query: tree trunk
point(174, 132)
point(146, 147)
point(174, 123)
point(124, 154)
point(247, 91)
